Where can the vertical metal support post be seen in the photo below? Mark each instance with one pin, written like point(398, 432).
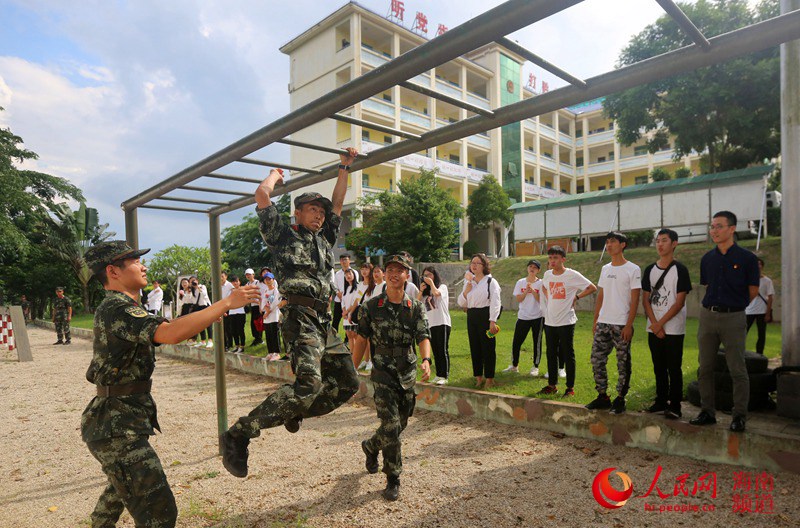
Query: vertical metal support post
point(132, 227)
point(789, 384)
point(219, 337)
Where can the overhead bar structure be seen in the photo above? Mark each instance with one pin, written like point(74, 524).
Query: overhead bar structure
point(492, 26)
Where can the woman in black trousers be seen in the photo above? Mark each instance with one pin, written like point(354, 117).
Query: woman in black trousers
point(481, 298)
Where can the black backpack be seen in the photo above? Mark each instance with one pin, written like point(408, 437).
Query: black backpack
point(489, 292)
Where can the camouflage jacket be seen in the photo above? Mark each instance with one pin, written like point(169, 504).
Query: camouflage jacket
point(123, 353)
point(61, 306)
point(387, 324)
point(303, 260)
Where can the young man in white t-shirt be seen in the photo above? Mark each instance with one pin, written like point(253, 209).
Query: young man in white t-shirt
point(227, 288)
point(529, 318)
point(665, 284)
point(562, 287)
point(760, 308)
point(619, 286)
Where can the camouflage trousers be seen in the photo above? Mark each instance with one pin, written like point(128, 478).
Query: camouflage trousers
point(606, 337)
point(394, 405)
point(62, 327)
point(136, 481)
point(324, 375)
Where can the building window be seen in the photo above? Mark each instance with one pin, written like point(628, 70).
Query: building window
point(548, 185)
point(601, 159)
point(640, 150)
point(365, 179)
point(640, 180)
point(365, 134)
point(612, 184)
point(579, 162)
point(611, 156)
point(454, 158)
point(580, 189)
point(601, 188)
point(387, 140)
point(387, 97)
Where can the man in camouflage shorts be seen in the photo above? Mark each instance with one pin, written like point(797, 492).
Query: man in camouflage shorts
point(393, 322)
point(324, 374)
point(62, 316)
point(118, 421)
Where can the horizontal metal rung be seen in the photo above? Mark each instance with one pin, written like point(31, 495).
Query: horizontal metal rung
point(447, 98)
point(685, 23)
point(210, 190)
point(190, 200)
point(375, 126)
point(532, 57)
point(232, 178)
point(272, 164)
point(183, 209)
point(320, 148)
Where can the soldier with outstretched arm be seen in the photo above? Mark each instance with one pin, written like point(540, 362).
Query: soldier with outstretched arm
point(393, 322)
point(324, 375)
point(117, 423)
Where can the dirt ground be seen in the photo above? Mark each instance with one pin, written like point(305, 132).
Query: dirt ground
point(459, 472)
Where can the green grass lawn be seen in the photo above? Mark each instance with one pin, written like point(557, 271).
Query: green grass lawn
point(642, 389)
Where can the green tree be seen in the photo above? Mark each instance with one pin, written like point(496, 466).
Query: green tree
point(357, 241)
point(243, 245)
point(660, 174)
point(26, 195)
point(175, 260)
point(729, 110)
point(420, 219)
point(682, 172)
point(69, 235)
point(488, 207)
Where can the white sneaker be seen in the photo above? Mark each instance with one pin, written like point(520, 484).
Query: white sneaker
point(511, 368)
point(368, 366)
point(362, 365)
point(562, 373)
point(210, 344)
point(535, 371)
point(442, 381)
point(435, 379)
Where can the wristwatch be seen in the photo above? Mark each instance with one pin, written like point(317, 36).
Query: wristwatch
point(428, 360)
point(345, 167)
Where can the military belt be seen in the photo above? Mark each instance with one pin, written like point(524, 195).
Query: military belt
point(395, 351)
point(137, 387)
point(310, 302)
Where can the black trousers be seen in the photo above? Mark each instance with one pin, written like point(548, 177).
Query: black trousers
point(761, 325)
point(273, 342)
point(534, 326)
point(482, 349)
point(236, 322)
point(667, 354)
point(440, 344)
point(203, 332)
point(227, 331)
point(255, 313)
point(337, 316)
point(560, 350)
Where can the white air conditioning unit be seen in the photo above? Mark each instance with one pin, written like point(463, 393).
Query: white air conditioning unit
point(773, 199)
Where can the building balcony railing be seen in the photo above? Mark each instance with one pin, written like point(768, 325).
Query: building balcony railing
point(599, 168)
point(567, 169)
point(632, 162)
point(372, 57)
point(663, 155)
point(546, 131)
point(547, 163)
point(532, 189)
point(443, 167)
point(378, 106)
point(423, 79)
point(600, 137)
point(530, 156)
point(478, 101)
point(565, 138)
point(417, 118)
point(448, 89)
point(480, 141)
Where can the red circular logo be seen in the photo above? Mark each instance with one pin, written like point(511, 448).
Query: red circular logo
point(606, 495)
point(510, 86)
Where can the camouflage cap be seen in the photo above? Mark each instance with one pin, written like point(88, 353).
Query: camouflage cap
point(105, 253)
point(398, 259)
point(313, 197)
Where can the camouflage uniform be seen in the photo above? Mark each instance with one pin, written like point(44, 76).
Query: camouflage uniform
point(324, 374)
point(61, 306)
point(606, 337)
point(394, 372)
point(116, 428)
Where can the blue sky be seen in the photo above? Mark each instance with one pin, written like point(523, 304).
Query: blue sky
point(118, 95)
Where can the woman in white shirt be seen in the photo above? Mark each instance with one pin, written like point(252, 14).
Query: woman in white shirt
point(270, 299)
point(236, 318)
point(194, 300)
point(434, 296)
point(481, 298)
point(349, 301)
point(375, 287)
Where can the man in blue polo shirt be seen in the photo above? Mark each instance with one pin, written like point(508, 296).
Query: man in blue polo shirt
point(731, 276)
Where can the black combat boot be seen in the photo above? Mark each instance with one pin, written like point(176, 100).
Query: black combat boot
point(392, 490)
point(293, 424)
point(68, 341)
point(235, 453)
point(372, 460)
point(59, 342)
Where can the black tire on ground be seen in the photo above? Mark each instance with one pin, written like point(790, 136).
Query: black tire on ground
point(763, 383)
point(755, 363)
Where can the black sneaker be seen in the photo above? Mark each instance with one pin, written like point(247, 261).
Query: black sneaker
point(392, 490)
point(293, 424)
point(256, 342)
point(59, 342)
point(234, 454)
point(672, 413)
point(737, 424)
point(657, 407)
point(550, 389)
point(703, 419)
point(618, 407)
point(601, 402)
point(569, 393)
point(372, 460)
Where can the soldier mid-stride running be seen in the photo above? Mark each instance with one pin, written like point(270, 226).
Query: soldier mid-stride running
point(393, 322)
point(324, 374)
point(118, 421)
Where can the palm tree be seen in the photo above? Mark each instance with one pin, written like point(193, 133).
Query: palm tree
point(70, 234)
